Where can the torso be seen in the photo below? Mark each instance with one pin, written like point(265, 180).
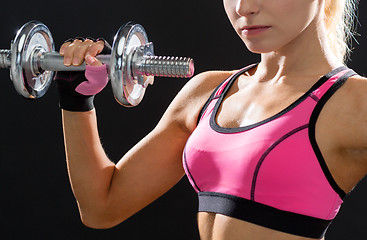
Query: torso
point(214, 226)
point(247, 103)
point(258, 102)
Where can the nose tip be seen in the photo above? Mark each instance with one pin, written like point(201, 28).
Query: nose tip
point(247, 7)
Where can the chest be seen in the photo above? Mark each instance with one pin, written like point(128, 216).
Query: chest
point(262, 161)
point(247, 156)
point(255, 102)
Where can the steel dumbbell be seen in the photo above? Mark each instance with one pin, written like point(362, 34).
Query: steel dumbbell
point(131, 66)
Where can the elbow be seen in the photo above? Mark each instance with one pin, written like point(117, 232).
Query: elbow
point(97, 224)
point(100, 220)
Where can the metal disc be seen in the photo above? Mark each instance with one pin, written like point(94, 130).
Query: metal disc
point(34, 37)
point(126, 89)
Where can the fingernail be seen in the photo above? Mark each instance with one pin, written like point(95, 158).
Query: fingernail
point(67, 61)
point(75, 61)
point(89, 60)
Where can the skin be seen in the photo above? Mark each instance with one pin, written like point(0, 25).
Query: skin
point(107, 194)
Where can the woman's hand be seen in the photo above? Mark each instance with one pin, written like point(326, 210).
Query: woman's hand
point(78, 51)
point(77, 89)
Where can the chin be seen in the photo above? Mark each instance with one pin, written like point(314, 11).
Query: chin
point(256, 47)
point(259, 50)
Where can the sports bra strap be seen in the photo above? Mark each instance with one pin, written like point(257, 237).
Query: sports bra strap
point(336, 79)
point(339, 75)
point(221, 87)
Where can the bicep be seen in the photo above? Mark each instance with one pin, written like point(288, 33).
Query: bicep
point(149, 169)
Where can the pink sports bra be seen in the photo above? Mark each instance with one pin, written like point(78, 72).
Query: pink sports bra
point(271, 173)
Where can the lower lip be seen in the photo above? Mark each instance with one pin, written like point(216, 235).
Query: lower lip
point(254, 31)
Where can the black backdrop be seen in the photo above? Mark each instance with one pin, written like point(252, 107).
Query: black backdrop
point(36, 201)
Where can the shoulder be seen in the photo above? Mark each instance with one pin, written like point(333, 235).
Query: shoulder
point(353, 95)
point(357, 81)
point(204, 84)
point(354, 92)
point(185, 108)
point(348, 112)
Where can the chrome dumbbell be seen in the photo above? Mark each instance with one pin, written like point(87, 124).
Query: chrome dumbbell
point(131, 65)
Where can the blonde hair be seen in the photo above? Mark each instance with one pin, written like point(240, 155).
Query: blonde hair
point(340, 18)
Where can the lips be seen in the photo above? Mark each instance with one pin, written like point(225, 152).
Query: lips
point(254, 30)
point(254, 27)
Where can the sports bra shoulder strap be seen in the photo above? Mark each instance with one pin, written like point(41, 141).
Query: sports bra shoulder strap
point(334, 80)
point(220, 89)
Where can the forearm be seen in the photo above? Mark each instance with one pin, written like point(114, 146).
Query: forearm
point(89, 168)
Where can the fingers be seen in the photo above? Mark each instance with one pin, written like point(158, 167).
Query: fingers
point(68, 49)
point(78, 51)
point(93, 51)
point(92, 61)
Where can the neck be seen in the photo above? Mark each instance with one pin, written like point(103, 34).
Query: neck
point(310, 50)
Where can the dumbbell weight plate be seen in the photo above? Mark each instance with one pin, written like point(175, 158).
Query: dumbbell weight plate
point(127, 90)
point(32, 38)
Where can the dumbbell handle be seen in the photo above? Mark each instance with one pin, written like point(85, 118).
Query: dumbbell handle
point(149, 65)
point(48, 61)
point(53, 61)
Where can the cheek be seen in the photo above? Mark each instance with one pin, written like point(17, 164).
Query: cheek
point(290, 13)
point(300, 16)
point(297, 6)
point(290, 18)
point(285, 6)
point(296, 12)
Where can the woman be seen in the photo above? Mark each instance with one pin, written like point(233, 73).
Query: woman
point(271, 149)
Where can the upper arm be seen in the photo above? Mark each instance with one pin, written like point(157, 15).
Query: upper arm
point(154, 165)
point(342, 133)
point(350, 113)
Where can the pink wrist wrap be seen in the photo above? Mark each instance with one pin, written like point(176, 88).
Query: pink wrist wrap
point(97, 79)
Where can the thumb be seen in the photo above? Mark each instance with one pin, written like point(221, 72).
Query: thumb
point(92, 61)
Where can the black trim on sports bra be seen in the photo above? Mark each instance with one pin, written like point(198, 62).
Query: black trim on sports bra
point(263, 215)
point(265, 154)
point(212, 96)
point(312, 126)
point(214, 125)
point(188, 171)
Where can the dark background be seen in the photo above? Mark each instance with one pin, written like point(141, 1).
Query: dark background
point(36, 201)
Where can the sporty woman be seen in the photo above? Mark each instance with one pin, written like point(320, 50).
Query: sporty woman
point(272, 149)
